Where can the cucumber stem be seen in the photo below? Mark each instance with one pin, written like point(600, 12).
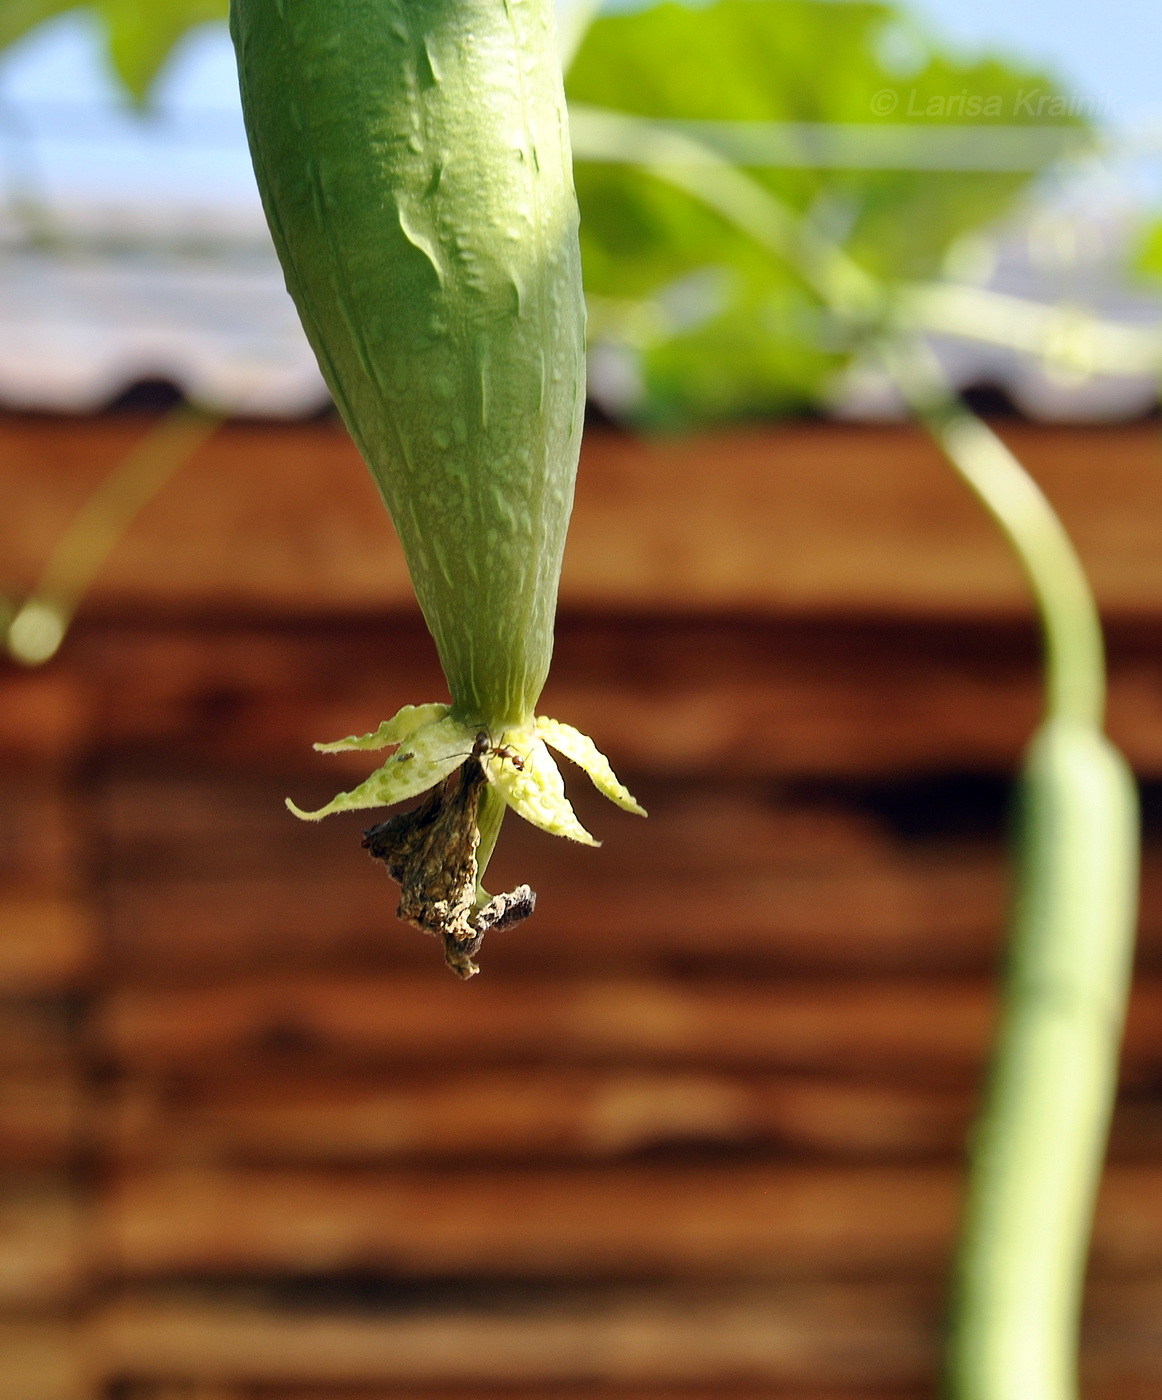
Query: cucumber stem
point(489, 816)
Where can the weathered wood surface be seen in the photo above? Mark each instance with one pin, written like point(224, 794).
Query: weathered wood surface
point(846, 1341)
point(278, 1116)
point(46, 944)
point(342, 919)
point(825, 1337)
point(42, 1360)
point(905, 1026)
point(531, 1112)
point(41, 1116)
point(152, 1389)
point(668, 696)
point(36, 1036)
point(40, 838)
point(735, 1052)
point(47, 928)
point(42, 1242)
point(764, 1221)
point(286, 519)
point(909, 1027)
point(45, 717)
point(208, 876)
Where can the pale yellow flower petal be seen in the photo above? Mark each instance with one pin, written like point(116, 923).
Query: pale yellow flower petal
point(582, 751)
point(429, 754)
point(535, 789)
point(401, 726)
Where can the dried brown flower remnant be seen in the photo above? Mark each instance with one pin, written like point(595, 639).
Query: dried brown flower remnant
point(430, 851)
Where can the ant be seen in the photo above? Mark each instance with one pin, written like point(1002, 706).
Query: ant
point(485, 747)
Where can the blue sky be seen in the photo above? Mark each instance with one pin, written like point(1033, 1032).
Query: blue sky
point(1110, 51)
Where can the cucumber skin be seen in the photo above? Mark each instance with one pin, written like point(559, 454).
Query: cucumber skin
point(414, 164)
point(1037, 1147)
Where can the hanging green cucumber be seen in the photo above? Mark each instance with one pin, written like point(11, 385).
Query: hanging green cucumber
point(413, 158)
point(1038, 1144)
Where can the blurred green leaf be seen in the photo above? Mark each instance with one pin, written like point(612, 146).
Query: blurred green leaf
point(141, 33)
point(1149, 258)
point(17, 17)
point(767, 348)
point(720, 328)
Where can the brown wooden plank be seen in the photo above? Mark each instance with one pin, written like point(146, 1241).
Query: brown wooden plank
point(36, 1036)
point(591, 1345)
point(823, 1337)
point(526, 1113)
point(732, 1343)
point(215, 1390)
point(47, 933)
point(177, 931)
point(40, 832)
point(790, 518)
point(1122, 1355)
point(739, 1222)
point(41, 1113)
point(197, 823)
point(307, 1117)
point(208, 875)
point(44, 715)
point(1122, 1380)
point(723, 696)
point(848, 518)
point(42, 1360)
point(575, 1391)
point(930, 1028)
point(1136, 1131)
point(282, 516)
point(925, 915)
point(47, 944)
point(905, 1026)
point(41, 1241)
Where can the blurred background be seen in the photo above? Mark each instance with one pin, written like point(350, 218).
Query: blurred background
point(697, 1129)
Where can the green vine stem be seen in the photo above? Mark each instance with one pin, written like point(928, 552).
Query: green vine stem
point(38, 626)
point(1074, 658)
point(1038, 1143)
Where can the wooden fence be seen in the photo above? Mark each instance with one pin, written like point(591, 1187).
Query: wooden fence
point(697, 1129)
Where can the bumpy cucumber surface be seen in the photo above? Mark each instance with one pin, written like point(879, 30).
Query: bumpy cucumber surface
point(413, 159)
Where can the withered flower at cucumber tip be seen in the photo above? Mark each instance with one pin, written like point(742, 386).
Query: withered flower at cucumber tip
point(414, 163)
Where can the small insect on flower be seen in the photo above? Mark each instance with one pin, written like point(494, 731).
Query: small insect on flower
point(485, 748)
